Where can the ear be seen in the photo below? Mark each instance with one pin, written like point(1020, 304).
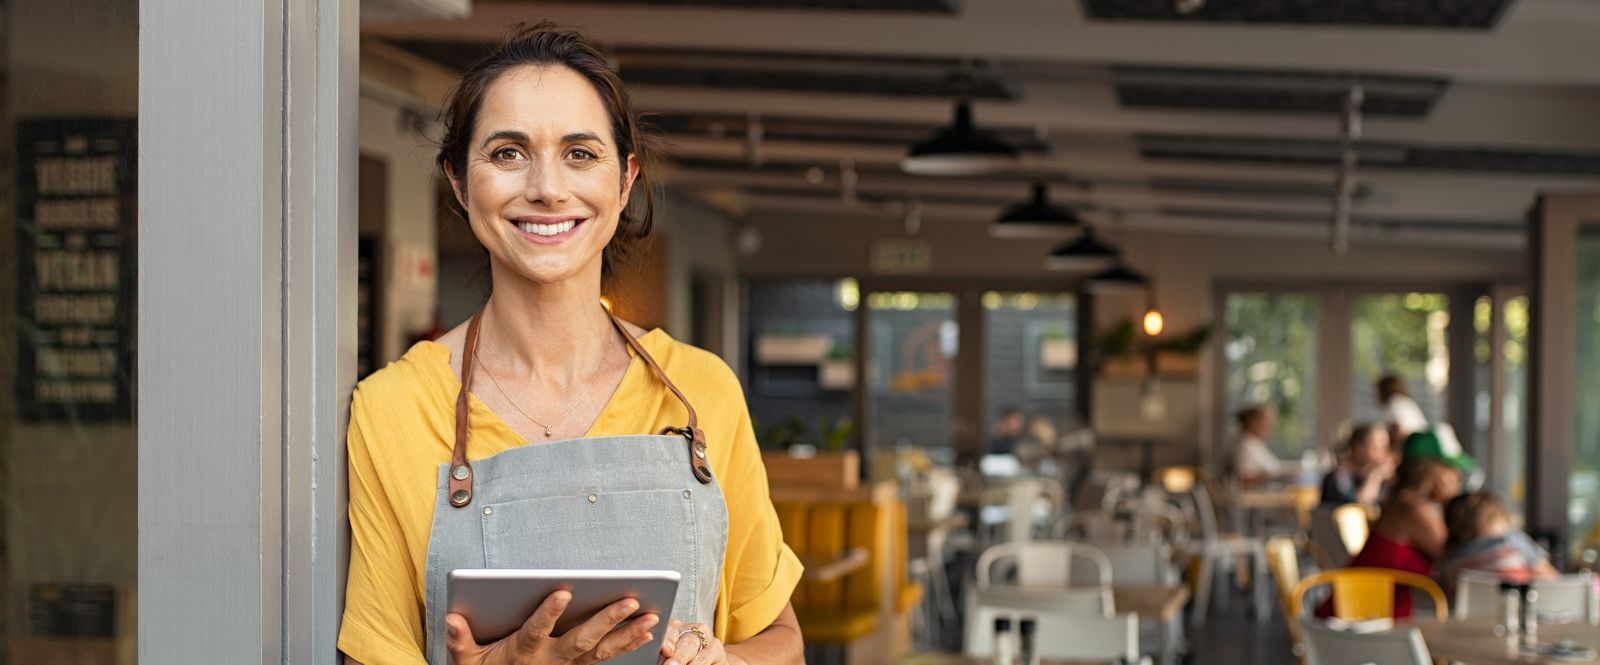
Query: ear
point(457, 187)
point(630, 173)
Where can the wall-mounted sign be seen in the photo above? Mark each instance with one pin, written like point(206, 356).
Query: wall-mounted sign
point(900, 257)
point(76, 205)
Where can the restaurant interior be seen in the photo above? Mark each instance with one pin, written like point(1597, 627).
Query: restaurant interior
point(1102, 330)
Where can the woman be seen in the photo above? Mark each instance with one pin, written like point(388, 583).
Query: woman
point(1400, 412)
point(1482, 539)
point(1410, 534)
point(1253, 462)
point(1367, 465)
point(545, 433)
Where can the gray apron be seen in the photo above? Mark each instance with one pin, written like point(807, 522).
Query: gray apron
point(642, 502)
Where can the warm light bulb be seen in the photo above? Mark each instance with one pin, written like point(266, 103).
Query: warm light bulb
point(1153, 322)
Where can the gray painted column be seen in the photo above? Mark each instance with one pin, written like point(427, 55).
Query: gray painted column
point(246, 255)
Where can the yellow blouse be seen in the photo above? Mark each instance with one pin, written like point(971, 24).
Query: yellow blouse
point(402, 427)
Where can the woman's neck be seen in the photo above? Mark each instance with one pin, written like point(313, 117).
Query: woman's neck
point(557, 333)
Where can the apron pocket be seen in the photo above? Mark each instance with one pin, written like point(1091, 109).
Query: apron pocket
point(642, 530)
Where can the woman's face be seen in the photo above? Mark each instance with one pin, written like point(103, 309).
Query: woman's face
point(1446, 485)
point(544, 183)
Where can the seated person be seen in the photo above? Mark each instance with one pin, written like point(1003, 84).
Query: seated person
point(1008, 429)
point(1400, 412)
point(1367, 465)
point(1481, 538)
point(1253, 462)
point(1410, 535)
point(1441, 443)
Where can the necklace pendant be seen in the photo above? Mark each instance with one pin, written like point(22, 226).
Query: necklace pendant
point(547, 433)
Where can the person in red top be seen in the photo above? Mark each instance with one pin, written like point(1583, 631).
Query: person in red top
point(1411, 534)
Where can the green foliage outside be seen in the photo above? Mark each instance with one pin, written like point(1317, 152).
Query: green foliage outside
point(1272, 359)
point(1396, 333)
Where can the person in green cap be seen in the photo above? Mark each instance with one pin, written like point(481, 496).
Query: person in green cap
point(1440, 443)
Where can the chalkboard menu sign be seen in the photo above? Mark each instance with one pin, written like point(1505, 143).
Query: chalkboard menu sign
point(76, 208)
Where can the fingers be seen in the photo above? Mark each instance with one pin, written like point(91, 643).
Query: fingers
point(669, 645)
point(624, 639)
point(587, 635)
point(458, 639)
point(540, 624)
point(714, 653)
point(687, 647)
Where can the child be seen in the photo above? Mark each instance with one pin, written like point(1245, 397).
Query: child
point(1481, 538)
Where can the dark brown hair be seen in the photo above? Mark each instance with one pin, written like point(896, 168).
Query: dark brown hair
point(546, 44)
point(1390, 385)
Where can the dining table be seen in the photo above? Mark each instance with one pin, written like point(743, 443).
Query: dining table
point(1473, 642)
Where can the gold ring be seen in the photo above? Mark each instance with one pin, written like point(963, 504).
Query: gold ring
point(704, 641)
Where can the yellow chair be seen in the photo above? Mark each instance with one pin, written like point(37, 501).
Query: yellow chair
point(1360, 594)
point(1353, 522)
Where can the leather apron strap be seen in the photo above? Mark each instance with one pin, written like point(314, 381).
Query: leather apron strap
point(461, 468)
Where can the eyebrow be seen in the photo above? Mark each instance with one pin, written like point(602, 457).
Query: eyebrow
point(523, 138)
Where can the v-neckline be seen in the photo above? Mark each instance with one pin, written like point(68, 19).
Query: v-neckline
point(636, 367)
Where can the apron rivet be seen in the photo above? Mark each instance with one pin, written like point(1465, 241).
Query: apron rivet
point(700, 450)
point(459, 473)
point(593, 498)
point(687, 494)
point(460, 497)
point(488, 510)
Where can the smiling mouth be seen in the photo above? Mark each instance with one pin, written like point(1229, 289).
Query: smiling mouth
point(547, 230)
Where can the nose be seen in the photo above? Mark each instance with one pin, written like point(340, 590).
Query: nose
point(546, 183)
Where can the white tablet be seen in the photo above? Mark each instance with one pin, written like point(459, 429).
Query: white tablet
point(496, 602)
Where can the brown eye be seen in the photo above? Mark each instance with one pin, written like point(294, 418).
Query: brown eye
point(507, 154)
point(581, 154)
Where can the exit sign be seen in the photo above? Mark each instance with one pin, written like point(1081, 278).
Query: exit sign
point(901, 257)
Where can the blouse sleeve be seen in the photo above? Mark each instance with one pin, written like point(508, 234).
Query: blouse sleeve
point(762, 571)
point(382, 617)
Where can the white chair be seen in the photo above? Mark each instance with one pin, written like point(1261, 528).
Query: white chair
point(1326, 646)
point(1144, 564)
point(1065, 631)
point(1043, 564)
point(1186, 487)
point(1567, 598)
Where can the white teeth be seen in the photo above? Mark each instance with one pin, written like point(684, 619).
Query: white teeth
point(547, 229)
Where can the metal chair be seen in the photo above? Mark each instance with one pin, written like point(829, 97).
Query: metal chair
point(1366, 593)
point(1043, 564)
point(1283, 559)
point(1566, 598)
point(1327, 646)
point(1066, 631)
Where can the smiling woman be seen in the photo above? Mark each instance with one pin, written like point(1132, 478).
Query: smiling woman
point(585, 413)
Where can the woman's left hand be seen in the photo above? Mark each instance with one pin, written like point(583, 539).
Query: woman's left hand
point(694, 644)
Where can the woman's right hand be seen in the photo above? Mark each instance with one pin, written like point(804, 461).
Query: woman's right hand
point(602, 637)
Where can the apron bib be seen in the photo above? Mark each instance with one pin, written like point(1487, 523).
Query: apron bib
point(642, 502)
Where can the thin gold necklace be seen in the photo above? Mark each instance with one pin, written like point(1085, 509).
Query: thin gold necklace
point(549, 430)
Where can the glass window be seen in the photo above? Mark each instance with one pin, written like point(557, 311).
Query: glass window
point(68, 203)
point(1403, 334)
point(800, 361)
point(1584, 509)
point(1271, 352)
point(1030, 356)
point(911, 384)
point(1514, 405)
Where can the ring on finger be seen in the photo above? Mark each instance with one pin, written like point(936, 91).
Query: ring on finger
point(704, 641)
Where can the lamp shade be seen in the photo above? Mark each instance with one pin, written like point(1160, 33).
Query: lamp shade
point(1036, 217)
point(959, 150)
point(1085, 253)
point(1119, 279)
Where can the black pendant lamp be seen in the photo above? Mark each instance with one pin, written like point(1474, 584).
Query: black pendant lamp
point(1035, 218)
point(1085, 253)
point(1119, 279)
point(959, 150)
